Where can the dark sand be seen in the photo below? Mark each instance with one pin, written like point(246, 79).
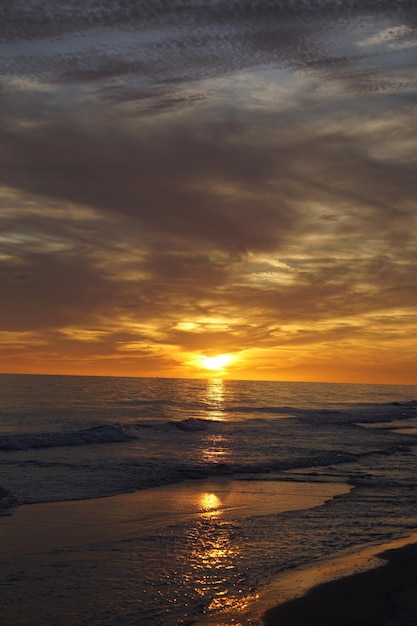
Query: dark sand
point(385, 596)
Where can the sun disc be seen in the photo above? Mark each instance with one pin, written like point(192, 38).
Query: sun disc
point(216, 362)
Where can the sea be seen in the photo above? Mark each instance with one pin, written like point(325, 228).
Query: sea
point(236, 483)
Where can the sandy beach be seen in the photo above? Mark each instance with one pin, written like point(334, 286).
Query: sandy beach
point(49, 526)
point(48, 549)
point(382, 596)
point(376, 585)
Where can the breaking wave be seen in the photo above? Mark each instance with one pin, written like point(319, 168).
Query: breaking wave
point(97, 434)
point(106, 433)
point(118, 433)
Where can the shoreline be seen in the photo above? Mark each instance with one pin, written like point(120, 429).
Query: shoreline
point(376, 586)
point(361, 578)
point(378, 580)
point(8, 502)
point(51, 525)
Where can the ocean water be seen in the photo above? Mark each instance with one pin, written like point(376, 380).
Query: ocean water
point(347, 453)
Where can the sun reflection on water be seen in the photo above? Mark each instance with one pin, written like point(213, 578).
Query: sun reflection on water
point(216, 561)
point(215, 398)
point(210, 503)
point(215, 445)
point(216, 449)
point(214, 556)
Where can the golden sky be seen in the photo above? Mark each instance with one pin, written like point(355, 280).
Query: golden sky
point(209, 188)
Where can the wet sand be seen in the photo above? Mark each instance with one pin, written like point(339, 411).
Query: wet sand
point(62, 562)
point(383, 596)
point(35, 528)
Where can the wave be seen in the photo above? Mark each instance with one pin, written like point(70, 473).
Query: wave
point(312, 462)
point(192, 424)
point(7, 501)
point(106, 433)
point(150, 403)
point(118, 433)
point(274, 410)
point(97, 434)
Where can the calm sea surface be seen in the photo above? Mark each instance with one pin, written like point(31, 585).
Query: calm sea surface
point(67, 438)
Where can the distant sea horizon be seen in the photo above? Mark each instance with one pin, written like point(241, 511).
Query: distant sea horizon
point(223, 377)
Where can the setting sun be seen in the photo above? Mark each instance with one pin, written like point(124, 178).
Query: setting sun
point(216, 362)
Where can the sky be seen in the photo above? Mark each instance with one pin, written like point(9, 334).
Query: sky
point(194, 188)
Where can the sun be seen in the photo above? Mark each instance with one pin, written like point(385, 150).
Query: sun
point(215, 363)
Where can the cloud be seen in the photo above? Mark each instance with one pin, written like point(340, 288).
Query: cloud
point(178, 188)
point(209, 181)
point(44, 291)
point(139, 45)
point(184, 177)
